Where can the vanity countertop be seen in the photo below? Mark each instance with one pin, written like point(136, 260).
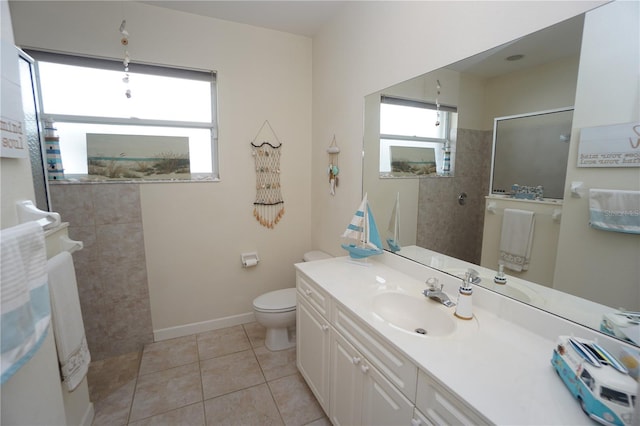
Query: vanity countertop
point(499, 368)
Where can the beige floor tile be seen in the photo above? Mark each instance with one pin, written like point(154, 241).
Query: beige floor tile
point(276, 364)
point(256, 334)
point(163, 391)
point(230, 373)
point(222, 342)
point(251, 406)
point(107, 375)
point(295, 401)
point(113, 409)
point(191, 415)
point(167, 354)
point(324, 421)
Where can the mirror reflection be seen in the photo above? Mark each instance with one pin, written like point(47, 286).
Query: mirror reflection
point(454, 222)
point(530, 154)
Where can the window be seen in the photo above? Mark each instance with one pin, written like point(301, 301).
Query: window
point(587, 379)
point(615, 396)
point(166, 129)
point(411, 143)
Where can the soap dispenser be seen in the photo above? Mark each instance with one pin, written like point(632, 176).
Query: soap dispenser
point(500, 278)
point(464, 308)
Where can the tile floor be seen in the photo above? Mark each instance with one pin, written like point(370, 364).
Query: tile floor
point(222, 377)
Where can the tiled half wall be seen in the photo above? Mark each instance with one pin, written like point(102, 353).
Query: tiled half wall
point(443, 224)
point(111, 268)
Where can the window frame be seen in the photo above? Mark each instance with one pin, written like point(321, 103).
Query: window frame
point(137, 67)
point(446, 120)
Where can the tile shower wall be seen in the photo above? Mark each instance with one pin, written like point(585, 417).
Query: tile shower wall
point(443, 224)
point(111, 268)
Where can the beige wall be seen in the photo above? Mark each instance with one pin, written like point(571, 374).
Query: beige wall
point(372, 45)
point(15, 173)
point(194, 232)
point(541, 88)
point(607, 93)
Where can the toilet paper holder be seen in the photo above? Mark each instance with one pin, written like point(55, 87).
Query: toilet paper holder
point(249, 259)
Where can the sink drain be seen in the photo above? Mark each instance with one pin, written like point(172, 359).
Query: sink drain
point(421, 331)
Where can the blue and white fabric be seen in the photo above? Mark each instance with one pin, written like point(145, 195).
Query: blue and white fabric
point(614, 210)
point(25, 310)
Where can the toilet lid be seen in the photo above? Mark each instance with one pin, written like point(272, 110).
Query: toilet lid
point(276, 301)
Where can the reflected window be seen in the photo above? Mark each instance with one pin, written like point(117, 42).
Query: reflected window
point(615, 396)
point(149, 123)
point(413, 135)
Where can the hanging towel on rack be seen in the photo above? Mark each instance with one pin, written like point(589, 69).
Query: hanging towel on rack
point(614, 210)
point(25, 311)
point(68, 328)
point(516, 239)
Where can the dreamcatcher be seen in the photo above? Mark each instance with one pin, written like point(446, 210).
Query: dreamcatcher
point(269, 206)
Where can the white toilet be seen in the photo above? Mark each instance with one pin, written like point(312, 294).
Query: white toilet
point(276, 311)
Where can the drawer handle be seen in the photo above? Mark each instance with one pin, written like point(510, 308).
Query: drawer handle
point(364, 368)
point(308, 292)
point(324, 327)
point(416, 422)
point(355, 360)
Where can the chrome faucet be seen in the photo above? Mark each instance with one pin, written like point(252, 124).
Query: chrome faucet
point(435, 293)
point(472, 276)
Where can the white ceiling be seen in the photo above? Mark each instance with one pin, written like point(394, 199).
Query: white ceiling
point(298, 17)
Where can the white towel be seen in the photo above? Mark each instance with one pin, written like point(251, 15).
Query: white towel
point(516, 239)
point(24, 295)
point(68, 327)
point(614, 210)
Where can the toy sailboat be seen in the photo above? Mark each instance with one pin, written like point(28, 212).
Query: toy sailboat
point(394, 227)
point(364, 231)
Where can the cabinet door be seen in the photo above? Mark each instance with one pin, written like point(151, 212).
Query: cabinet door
point(346, 382)
point(442, 407)
point(420, 419)
point(312, 345)
point(382, 403)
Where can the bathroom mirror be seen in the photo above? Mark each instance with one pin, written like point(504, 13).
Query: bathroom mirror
point(446, 216)
point(531, 150)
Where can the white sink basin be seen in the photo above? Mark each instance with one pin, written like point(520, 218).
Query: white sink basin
point(513, 292)
point(414, 315)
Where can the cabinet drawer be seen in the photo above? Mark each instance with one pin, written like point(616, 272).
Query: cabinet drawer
point(441, 406)
point(398, 369)
point(313, 294)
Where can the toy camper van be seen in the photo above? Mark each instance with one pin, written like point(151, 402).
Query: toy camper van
point(596, 379)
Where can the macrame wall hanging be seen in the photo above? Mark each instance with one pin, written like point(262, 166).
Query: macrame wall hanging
point(268, 208)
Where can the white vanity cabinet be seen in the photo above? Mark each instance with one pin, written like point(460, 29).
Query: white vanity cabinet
point(358, 377)
point(441, 407)
point(313, 339)
point(360, 394)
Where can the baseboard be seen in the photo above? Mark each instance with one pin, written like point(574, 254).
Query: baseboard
point(201, 327)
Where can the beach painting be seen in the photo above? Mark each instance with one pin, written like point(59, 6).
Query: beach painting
point(137, 157)
point(412, 161)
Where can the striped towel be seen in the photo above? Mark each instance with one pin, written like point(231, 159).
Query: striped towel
point(25, 310)
point(614, 210)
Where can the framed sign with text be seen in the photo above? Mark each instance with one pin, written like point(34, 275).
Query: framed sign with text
point(610, 146)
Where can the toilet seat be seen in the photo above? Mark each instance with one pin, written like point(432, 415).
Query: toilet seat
point(276, 301)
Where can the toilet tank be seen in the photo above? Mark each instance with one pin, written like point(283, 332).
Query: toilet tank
point(315, 255)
